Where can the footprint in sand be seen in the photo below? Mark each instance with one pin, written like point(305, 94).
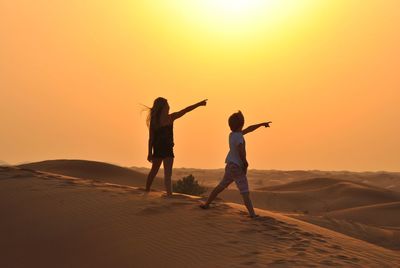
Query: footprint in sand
point(283, 239)
point(320, 240)
point(249, 254)
point(302, 245)
point(301, 254)
point(280, 232)
point(329, 263)
point(20, 176)
point(248, 231)
point(307, 234)
point(320, 250)
point(182, 204)
point(336, 247)
point(150, 211)
point(249, 263)
point(345, 258)
point(284, 263)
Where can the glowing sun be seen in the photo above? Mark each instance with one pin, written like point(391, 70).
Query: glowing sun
point(238, 16)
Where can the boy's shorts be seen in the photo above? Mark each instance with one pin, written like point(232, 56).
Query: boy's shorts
point(233, 172)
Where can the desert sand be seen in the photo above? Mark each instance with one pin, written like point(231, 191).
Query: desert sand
point(264, 178)
point(54, 220)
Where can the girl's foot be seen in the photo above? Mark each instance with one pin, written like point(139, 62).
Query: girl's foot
point(204, 206)
point(254, 216)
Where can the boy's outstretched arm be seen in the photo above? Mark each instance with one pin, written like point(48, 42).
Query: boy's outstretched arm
point(254, 127)
point(190, 108)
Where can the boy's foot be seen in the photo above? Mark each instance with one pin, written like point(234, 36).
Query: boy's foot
point(204, 206)
point(254, 216)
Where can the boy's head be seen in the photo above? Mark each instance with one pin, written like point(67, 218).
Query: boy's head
point(236, 121)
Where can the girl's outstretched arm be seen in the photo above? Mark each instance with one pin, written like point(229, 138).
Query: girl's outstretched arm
point(190, 108)
point(254, 127)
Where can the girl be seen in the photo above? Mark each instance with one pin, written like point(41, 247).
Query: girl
point(161, 139)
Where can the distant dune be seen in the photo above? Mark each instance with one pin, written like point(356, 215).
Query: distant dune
point(316, 196)
point(93, 170)
point(51, 220)
point(265, 178)
point(386, 215)
point(385, 237)
point(3, 163)
point(303, 185)
point(363, 211)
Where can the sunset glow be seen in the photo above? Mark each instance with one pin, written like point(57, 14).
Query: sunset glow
point(238, 18)
point(74, 75)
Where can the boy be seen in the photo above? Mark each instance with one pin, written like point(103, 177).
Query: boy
point(236, 162)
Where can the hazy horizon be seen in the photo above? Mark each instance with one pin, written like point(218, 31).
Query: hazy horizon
point(73, 76)
point(198, 168)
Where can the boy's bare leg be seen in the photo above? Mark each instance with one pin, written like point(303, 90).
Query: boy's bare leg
point(248, 204)
point(212, 196)
point(168, 163)
point(153, 172)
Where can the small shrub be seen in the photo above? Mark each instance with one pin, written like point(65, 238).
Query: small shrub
point(188, 185)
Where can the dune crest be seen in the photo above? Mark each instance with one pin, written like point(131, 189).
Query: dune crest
point(387, 214)
point(94, 170)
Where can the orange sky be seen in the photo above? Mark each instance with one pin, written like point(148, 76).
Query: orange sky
point(74, 73)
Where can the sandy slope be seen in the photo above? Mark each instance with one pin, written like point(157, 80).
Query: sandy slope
point(54, 221)
point(355, 209)
point(317, 196)
point(387, 214)
point(93, 170)
point(382, 236)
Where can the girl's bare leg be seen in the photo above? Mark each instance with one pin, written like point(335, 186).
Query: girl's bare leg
point(248, 204)
point(168, 163)
point(153, 172)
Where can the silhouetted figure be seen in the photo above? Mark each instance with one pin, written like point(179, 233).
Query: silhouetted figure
point(161, 139)
point(236, 162)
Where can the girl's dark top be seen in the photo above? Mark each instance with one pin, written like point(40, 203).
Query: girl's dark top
point(163, 142)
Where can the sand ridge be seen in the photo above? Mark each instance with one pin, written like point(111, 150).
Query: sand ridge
point(94, 170)
point(320, 195)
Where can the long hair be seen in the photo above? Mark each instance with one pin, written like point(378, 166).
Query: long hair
point(153, 118)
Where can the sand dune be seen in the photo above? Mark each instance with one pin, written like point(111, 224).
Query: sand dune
point(317, 196)
point(3, 163)
point(385, 237)
point(313, 200)
point(303, 185)
point(55, 221)
point(355, 209)
point(93, 170)
point(264, 178)
point(387, 215)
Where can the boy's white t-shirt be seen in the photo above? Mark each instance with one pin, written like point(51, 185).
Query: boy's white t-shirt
point(235, 138)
